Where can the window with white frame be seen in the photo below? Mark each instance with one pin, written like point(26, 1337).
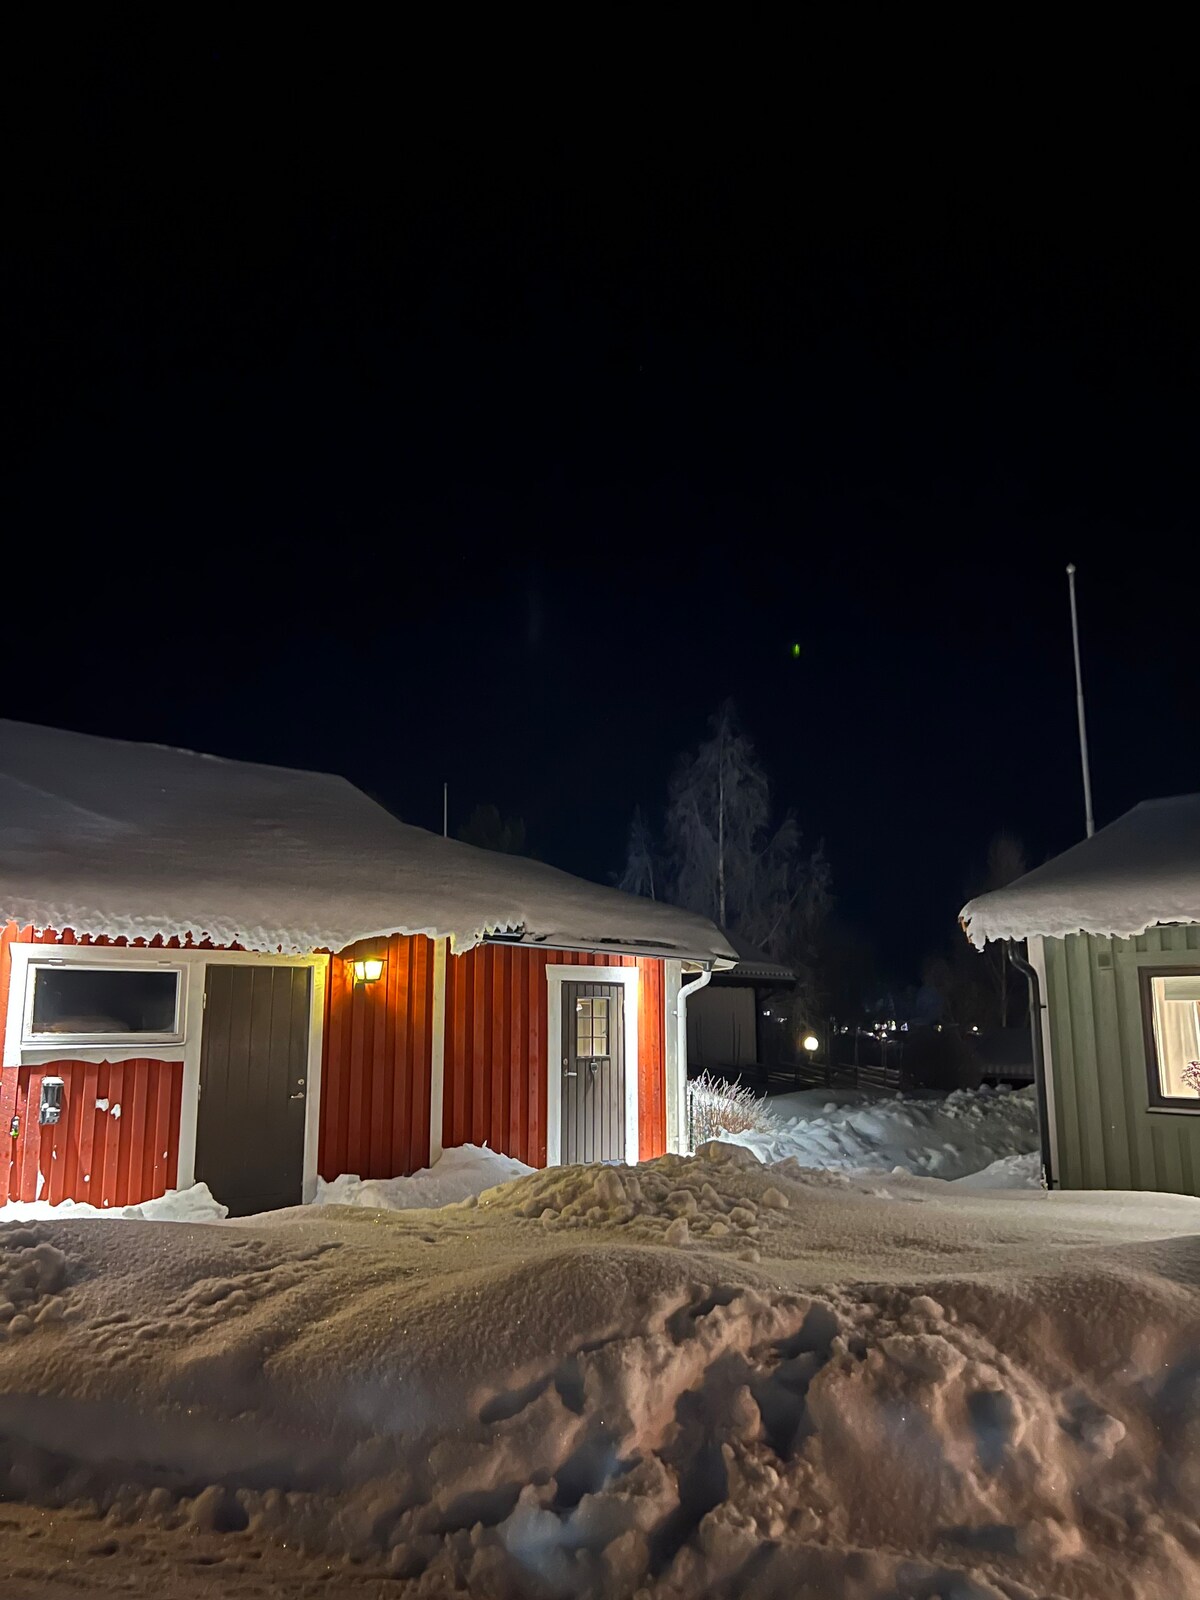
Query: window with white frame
point(591, 1027)
point(77, 1004)
point(1172, 1007)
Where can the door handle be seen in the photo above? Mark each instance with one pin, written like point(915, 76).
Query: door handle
point(299, 1096)
point(570, 1074)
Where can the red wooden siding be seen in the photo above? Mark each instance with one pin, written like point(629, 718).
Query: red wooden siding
point(375, 1090)
point(496, 1049)
point(91, 1154)
point(88, 1154)
point(375, 1081)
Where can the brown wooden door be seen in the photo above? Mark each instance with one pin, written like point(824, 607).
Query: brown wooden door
point(593, 1072)
point(253, 1086)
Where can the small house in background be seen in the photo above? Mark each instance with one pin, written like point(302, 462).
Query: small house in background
point(1113, 931)
point(249, 976)
point(730, 1028)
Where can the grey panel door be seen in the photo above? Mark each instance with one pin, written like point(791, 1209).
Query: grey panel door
point(253, 1067)
point(593, 1072)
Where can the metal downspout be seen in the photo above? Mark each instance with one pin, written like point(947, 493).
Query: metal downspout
point(1036, 1008)
point(681, 1050)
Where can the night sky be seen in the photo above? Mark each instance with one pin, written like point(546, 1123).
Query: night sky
point(374, 423)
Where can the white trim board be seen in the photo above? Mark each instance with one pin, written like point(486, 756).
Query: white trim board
point(437, 1051)
point(558, 973)
point(14, 1055)
point(675, 1072)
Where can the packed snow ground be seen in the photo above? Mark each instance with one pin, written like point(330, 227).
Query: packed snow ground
point(950, 1136)
point(703, 1377)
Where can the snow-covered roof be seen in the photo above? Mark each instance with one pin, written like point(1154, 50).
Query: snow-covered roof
point(136, 840)
point(753, 966)
point(1140, 870)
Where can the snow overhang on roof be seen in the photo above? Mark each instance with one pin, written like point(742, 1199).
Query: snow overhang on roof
point(1140, 871)
point(755, 967)
point(141, 841)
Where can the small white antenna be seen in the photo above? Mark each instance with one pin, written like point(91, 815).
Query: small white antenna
point(1083, 744)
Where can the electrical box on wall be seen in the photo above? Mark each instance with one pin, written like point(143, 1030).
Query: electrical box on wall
point(50, 1108)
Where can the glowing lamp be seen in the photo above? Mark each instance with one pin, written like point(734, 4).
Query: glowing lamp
point(811, 1042)
point(369, 970)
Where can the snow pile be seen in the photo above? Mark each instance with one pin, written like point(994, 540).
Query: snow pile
point(671, 1201)
point(934, 1137)
point(554, 1391)
point(195, 1204)
point(457, 1174)
point(1007, 1172)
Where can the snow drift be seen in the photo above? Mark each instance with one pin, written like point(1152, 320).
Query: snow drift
point(194, 1204)
point(935, 1136)
point(457, 1174)
point(702, 1376)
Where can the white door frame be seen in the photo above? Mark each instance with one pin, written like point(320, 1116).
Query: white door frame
point(558, 973)
point(16, 1055)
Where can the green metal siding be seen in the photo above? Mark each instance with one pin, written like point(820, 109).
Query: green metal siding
point(1107, 1137)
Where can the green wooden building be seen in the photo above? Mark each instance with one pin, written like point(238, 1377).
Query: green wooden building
point(1112, 928)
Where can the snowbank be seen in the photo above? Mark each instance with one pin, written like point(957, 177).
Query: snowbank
point(195, 1204)
point(1007, 1172)
point(456, 1175)
point(701, 1377)
point(933, 1137)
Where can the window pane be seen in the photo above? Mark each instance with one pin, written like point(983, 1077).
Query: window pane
point(591, 1032)
point(88, 1000)
point(1177, 1034)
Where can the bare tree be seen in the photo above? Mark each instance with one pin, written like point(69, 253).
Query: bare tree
point(639, 874)
point(718, 812)
point(727, 860)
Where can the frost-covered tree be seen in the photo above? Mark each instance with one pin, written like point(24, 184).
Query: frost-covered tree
point(641, 872)
point(718, 813)
point(726, 859)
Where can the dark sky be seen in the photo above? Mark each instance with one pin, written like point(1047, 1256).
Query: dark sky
point(368, 418)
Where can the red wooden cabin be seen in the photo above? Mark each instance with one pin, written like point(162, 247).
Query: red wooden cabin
point(248, 976)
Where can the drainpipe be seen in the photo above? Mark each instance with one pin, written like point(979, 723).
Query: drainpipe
point(681, 1050)
point(1036, 1007)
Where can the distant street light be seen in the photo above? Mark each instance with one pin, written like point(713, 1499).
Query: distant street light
point(811, 1042)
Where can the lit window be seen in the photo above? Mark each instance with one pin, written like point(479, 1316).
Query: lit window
point(1172, 1007)
point(82, 1005)
point(591, 1027)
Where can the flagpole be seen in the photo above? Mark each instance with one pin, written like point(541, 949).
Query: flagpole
point(1083, 744)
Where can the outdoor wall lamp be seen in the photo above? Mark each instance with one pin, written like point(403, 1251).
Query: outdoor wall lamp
point(811, 1042)
point(369, 969)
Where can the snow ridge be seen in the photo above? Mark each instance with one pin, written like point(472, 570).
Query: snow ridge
point(557, 1391)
